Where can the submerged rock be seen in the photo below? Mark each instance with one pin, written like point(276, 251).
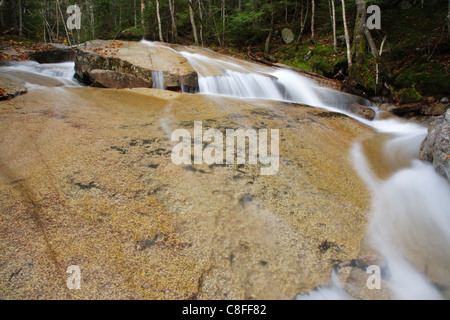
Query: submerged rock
point(10, 87)
point(362, 111)
point(436, 147)
point(136, 59)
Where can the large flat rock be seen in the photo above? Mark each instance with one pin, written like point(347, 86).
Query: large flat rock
point(88, 180)
point(137, 59)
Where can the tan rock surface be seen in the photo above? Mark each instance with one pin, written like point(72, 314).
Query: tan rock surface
point(86, 179)
point(137, 59)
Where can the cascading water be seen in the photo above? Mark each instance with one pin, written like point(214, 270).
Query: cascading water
point(51, 74)
point(226, 76)
point(230, 78)
point(158, 79)
point(410, 225)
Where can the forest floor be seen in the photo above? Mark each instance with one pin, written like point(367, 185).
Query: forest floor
point(416, 51)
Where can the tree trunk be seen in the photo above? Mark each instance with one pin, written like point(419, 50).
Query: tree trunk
point(303, 24)
point(269, 37)
point(333, 9)
point(347, 37)
point(91, 12)
point(448, 18)
point(135, 14)
point(223, 21)
point(214, 25)
point(64, 23)
point(143, 14)
point(359, 38)
point(194, 27)
point(159, 22)
point(174, 23)
point(200, 12)
point(13, 14)
point(20, 18)
point(313, 12)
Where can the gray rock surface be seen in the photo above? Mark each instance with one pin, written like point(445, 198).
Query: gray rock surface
point(287, 35)
point(117, 80)
point(436, 147)
point(11, 87)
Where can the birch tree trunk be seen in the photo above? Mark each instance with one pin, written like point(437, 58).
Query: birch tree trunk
point(333, 9)
point(347, 38)
point(313, 4)
point(158, 16)
point(448, 18)
point(194, 27)
point(200, 12)
point(223, 21)
point(174, 23)
point(143, 13)
point(91, 12)
point(303, 24)
point(135, 14)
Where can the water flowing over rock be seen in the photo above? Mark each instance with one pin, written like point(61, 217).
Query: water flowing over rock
point(136, 59)
point(109, 199)
point(362, 111)
point(436, 147)
point(88, 180)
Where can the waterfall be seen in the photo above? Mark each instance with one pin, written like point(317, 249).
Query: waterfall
point(227, 76)
point(158, 79)
point(242, 80)
point(33, 73)
point(410, 221)
point(410, 225)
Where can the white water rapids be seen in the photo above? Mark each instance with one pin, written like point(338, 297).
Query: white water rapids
point(410, 221)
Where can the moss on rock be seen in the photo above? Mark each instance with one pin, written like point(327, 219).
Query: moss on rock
point(407, 95)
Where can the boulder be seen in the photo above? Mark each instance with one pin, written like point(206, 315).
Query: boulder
point(55, 54)
point(117, 80)
point(287, 35)
point(341, 41)
point(387, 107)
point(436, 109)
point(405, 4)
point(10, 87)
point(362, 111)
point(407, 109)
point(436, 146)
point(137, 59)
